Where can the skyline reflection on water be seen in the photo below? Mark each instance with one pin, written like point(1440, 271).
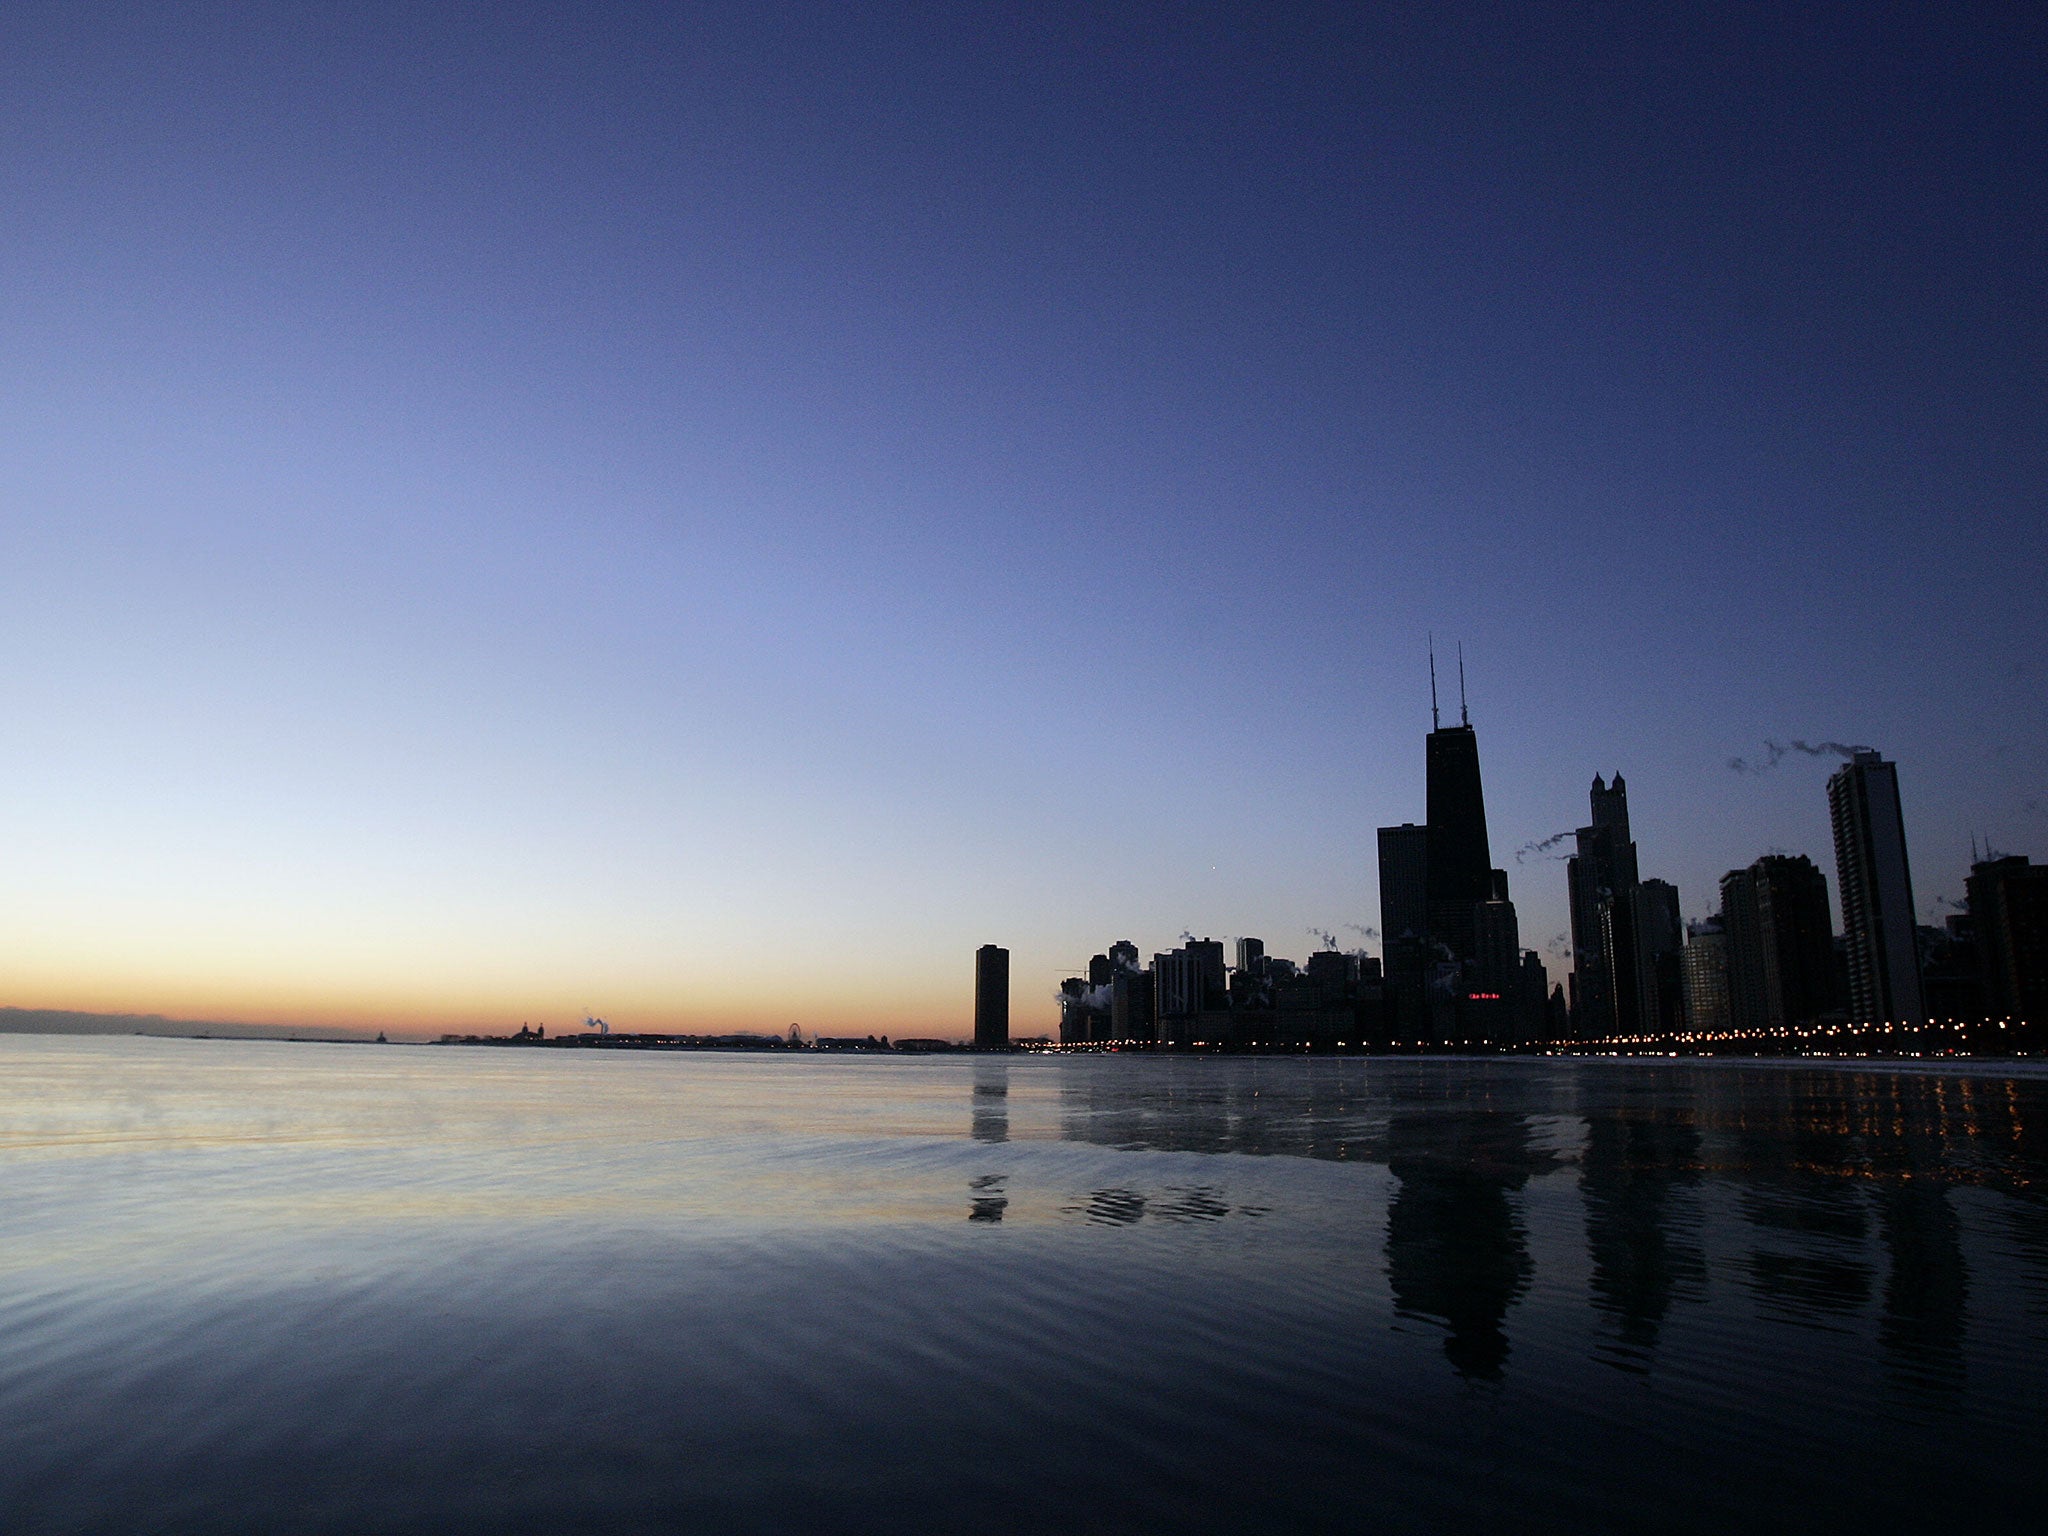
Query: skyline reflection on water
point(256, 1285)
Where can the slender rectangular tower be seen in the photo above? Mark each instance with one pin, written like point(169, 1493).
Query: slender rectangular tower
point(1877, 892)
point(991, 997)
point(1404, 890)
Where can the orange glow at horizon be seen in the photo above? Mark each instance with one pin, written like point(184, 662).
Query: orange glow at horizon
point(335, 1005)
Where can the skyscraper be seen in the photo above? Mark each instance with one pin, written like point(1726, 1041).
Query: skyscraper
point(1781, 965)
point(1877, 892)
point(1404, 925)
point(1177, 995)
point(1610, 808)
point(1434, 944)
point(2009, 904)
point(1404, 890)
point(1705, 961)
point(1602, 883)
point(1215, 974)
point(1659, 933)
point(1743, 945)
point(1131, 1000)
point(1497, 948)
point(1459, 877)
point(991, 997)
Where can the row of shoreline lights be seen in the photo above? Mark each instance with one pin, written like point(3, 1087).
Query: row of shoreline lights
point(1831, 1031)
point(1790, 1032)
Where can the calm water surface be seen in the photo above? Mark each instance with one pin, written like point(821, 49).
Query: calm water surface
point(264, 1287)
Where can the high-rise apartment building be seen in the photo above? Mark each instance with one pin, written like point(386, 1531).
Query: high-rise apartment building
point(1877, 892)
point(1215, 974)
point(1404, 924)
point(1799, 939)
point(1704, 961)
point(1659, 935)
point(1404, 883)
point(991, 997)
point(2009, 910)
point(1743, 949)
point(1780, 943)
point(1131, 1003)
point(1951, 974)
point(1177, 995)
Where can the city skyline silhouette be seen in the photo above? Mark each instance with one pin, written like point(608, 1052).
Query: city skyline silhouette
point(703, 516)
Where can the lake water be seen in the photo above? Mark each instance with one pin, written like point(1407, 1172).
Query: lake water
point(272, 1287)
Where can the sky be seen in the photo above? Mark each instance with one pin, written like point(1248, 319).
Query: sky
point(705, 514)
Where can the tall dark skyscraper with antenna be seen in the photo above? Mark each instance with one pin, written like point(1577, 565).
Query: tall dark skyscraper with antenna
point(1454, 965)
point(1459, 879)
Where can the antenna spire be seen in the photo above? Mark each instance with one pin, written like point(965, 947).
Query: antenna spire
point(1435, 723)
point(1464, 718)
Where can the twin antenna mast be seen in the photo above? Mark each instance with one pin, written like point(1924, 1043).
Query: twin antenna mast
point(1464, 715)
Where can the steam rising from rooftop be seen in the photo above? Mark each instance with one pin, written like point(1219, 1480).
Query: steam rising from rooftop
point(1775, 752)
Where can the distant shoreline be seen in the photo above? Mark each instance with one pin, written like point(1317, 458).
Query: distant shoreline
point(2020, 1064)
point(82, 1025)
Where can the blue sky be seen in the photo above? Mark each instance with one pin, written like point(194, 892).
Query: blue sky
point(708, 513)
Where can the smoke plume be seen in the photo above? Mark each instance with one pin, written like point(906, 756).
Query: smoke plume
point(1775, 752)
point(1541, 849)
point(1328, 940)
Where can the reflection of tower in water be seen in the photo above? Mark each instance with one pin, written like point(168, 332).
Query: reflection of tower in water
point(1456, 1250)
point(985, 1198)
point(1184, 1105)
point(1812, 1261)
point(989, 1122)
point(1921, 1331)
point(1643, 1253)
point(1927, 1281)
point(990, 1116)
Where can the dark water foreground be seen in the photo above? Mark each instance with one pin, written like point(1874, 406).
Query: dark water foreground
point(267, 1287)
